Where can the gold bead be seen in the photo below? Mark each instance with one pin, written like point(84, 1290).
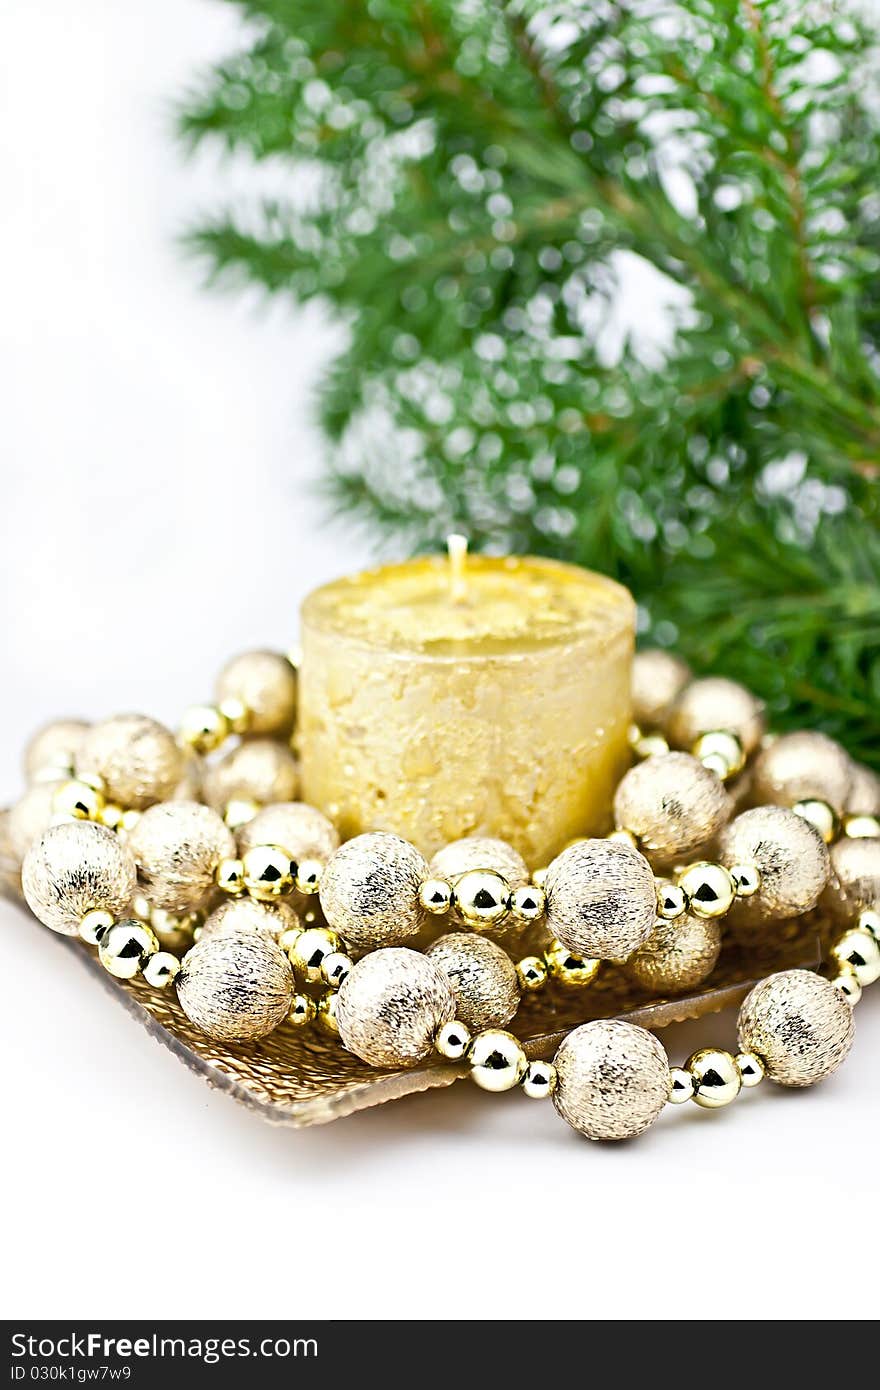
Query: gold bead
point(497, 1061)
point(569, 969)
point(125, 948)
point(677, 955)
point(869, 921)
point(751, 1069)
point(658, 677)
point(619, 836)
point(849, 986)
point(712, 704)
point(483, 978)
point(862, 827)
point(308, 877)
point(709, 887)
point(746, 879)
point(682, 1085)
point(138, 760)
point(239, 812)
point(309, 951)
point(177, 846)
point(161, 969)
point(804, 766)
point(94, 925)
point(265, 684)
point(78, 800)
point(479, 852)
point(141, 907)
point(289, 937)
point(327, 1020)
point(51, 752)
point(203, 728)
point(721, 752)
point(612, 1079)
point(229, 876)
point(673, 805)
point(130, 819)
point(302, 1010)
point(790, 856)
point(435, 896)
point(531, 972)
point(854, 880)
point(539, 1081)
point(303, 830)
point(717, 1080)
point(601, 899)
point(370, 890)
point(650, 745)
point(335, 968)
point(539, 876)
point(259, 770)
point(74, 868)
point(481, 898)
point(453, 1041)
point(864, 792)
point(820, 815)
point(268, 872)
point(858, 951)
point(235, 985)
point(110, 815)
point(236, 715)
point(527, 903)
point(798, 1024)
point(672, 901)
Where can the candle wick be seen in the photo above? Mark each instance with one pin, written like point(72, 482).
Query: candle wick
point(456, 547)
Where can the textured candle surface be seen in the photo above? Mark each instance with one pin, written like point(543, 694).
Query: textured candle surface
point(497, 705)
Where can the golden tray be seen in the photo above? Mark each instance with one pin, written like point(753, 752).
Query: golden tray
point(301, 1077)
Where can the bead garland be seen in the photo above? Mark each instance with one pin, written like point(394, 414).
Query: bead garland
point(145, 845)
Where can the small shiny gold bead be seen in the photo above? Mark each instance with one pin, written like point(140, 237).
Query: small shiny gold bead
point(621, 836)
point(717, 1080)
point(161, 969)
point(310, 950)
point(302, 1010)
point(327, 1015)
point(862, 827)
point(435, 896)
point(239, 812)
point(308, 877)
point(751, 1069)
point(110, 815)
point(229, 876)
point(78, 800)
point(682, 1085)
point(647, 745)
point(126, 947)
point(746, 879)
point(820, 815)
point(527, 903)
point(721, 752)
point(481, 898)
point(289, 937)
point(497, 1061)
point(848, 984)
point(141, 907)
point(539, 1081)
point(453, 1041)
point(203, 728)
point(335, 968)
point(531, 972)
point(869, 921)
point(94, 925)
point(127, 824)
point(568, 969)
point(709, 887)
point(857, 950)
point(539, 876)
point(235, 713)
point(268, 872)
point(672, 900)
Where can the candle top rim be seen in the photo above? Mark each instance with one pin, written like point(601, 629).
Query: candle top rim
point(508, 605)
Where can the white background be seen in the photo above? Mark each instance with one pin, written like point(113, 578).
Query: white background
point(157, 453)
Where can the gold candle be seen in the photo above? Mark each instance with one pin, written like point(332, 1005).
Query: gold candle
point(457, 695)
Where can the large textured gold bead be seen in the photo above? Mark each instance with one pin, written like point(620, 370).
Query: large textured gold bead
point(601, 899)
point(715, 703)
point(302, 830)
point(30, 816)
point(391, 1007)
point(265, 684)
point(51, 752)
point(612, 1079)
point(137, 760)
point(246, 914)
point(658, 678)
point(673, 805)
point(480, 852)
point(235, 986)
point(790, 855)
point(177, 847)
point(677, 955)
point(854, 881)
point(799, 1025)
point(370, 890)
point(483, 977)
point(259, 769)
point(75, 868)
point(802, 766)
point(864, 792)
